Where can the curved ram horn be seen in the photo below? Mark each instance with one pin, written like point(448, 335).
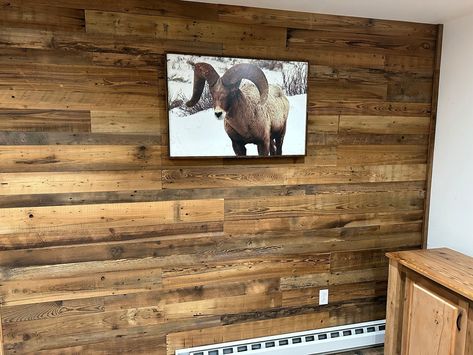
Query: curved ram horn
point(235, 74)
point(202, 72)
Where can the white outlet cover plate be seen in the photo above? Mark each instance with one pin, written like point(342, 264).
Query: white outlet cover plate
point(323, 297)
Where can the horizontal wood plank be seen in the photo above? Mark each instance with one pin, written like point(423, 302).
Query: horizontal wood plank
point(362, 42)
point(381, 154)
point(89, 217)
point(41, 17)
point(384, 124)
point(164, 7)
point(44, 120)
point(57, 182)
point(350, 107)
point(8, 138)
point(312, 21)
point(78, 157)
point(242, 209)
point(233, 177)
point(88, 79)
point(126, 122)
point(181, 29)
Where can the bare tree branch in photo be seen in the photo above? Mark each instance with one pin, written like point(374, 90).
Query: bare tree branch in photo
point(295, 79)
point(203, 104)
point(275, 65)
point(179, 102)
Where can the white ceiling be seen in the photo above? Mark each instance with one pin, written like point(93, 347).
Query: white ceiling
point(428, 11)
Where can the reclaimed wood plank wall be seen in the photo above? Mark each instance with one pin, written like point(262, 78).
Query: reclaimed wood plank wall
point(107, 246)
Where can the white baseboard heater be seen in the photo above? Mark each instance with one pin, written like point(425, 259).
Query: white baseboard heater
point(322, 341)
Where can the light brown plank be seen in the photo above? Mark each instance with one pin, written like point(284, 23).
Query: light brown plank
point(255, 176)
point(85, 79)
point(384, 124)
point(297, 206)
point(78, 157)
point(349, 107)
point(320, 221)
point(241, 270)
point(181, 29)
point(78, 100)
point(127, 122)
point(74, 182)
point(381, 154)
point(326, 279)
point(66, 219)
point(222, 305)
point(321, 123)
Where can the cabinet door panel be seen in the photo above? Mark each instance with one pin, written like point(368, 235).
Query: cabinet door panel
point(432, 323)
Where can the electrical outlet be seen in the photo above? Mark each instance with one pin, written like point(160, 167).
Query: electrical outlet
point(323, 297)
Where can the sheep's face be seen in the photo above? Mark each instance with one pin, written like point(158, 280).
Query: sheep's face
point(222, 98)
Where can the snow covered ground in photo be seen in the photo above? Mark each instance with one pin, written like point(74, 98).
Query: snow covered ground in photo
point(202, 134)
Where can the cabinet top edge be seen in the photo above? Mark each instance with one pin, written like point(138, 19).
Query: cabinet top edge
point(446, 267)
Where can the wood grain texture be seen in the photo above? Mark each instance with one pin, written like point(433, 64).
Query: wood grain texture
point(291, 324)
point(424, 301)
point(181, 29)
point(41, 17)
point(70, 218)
point(384, 124)
point(233, 177)
point(444, 266)
point(395, 305)
point(107, 246)
point(437, 320)
point(79, 157)
point(127, 122)
point(86, 78)
point(361, 42)
point(1, 334)
point(44, 120)
point(322, 22)
point(433, 123)
point(74, 182)
point(469, 331)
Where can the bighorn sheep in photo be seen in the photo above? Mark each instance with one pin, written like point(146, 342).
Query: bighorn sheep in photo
point(252, 113)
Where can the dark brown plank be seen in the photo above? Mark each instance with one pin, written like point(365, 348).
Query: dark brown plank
point(323, 40)
point(41, 17)
point(44, 120)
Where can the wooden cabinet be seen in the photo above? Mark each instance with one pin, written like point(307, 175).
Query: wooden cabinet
point(430, 295)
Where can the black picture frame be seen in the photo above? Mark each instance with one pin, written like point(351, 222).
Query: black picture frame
point(193, 135)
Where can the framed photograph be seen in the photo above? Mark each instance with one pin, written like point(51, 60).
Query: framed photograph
point(236, 107)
